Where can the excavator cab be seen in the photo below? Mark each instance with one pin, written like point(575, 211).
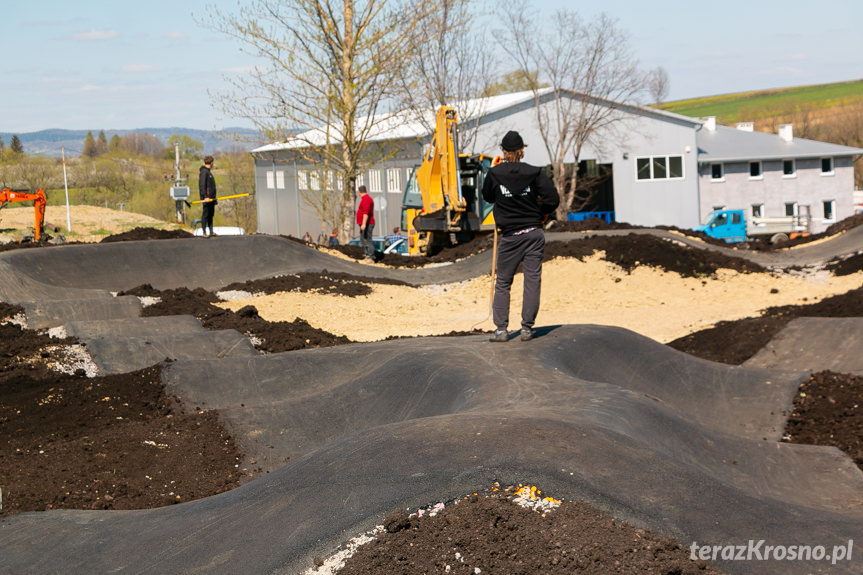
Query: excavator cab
point(429, 231)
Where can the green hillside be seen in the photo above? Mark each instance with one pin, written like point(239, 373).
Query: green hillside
point(750, 106)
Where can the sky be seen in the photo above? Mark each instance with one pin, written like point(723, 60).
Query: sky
point(116, 64)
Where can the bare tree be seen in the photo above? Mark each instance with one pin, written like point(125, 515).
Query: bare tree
point(448, 63)
point(658, 85)
point(329, 66)
point(591, 73)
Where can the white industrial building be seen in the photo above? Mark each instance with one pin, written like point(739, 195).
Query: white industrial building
point(660, 168)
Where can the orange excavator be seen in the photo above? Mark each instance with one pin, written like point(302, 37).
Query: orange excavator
point(39, 202)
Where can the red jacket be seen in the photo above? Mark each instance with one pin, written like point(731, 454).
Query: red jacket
point(367, 206)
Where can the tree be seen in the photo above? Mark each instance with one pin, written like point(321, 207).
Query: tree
point(591, 73)
point(142, 144)
point(448, 63)
point(517, 81)
point(115, 143)
point(329, 67)
point(89, 150)
point(101, 143)
point(189, 147)
point(658, 85)
point(15, 144)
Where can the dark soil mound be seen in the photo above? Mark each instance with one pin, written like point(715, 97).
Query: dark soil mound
point(270, 337)
point(116, 442)
point(736, 341)
point(146, 234)
point(493, 534)
point(633, 250)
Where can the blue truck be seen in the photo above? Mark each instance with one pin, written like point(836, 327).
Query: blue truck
point(735, 226)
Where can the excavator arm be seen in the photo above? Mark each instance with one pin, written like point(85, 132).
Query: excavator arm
point(40, 201)
point(449, 184)
point(438, 176)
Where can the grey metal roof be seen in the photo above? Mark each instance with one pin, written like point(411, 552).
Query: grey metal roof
point(726, 144)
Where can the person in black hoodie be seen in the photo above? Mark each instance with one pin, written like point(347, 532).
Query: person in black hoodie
point(207, 191)
point(523, 198)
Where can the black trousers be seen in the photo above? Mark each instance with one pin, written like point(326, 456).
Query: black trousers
point(207, 213)
point(527, 250)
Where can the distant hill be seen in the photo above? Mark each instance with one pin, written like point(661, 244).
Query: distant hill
point(51, 142)
point(756, 105)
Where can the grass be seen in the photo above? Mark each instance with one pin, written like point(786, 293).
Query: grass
point(743, 106)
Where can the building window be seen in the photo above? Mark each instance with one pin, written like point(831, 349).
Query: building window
point(271, 180)
point(789, 170)
point(829, 210)
point(755, 171)
point(826, 166)
point(315, 180)
point(717, 172)
point(757, 210)
point(302, 180)
point(642, 168)
point(280, 179)
point(659, 168)
point(791, 209)
point(375, 181)
point(394, 180)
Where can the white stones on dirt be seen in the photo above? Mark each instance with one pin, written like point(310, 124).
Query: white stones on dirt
point(229, 295)
point(69, 359)
point(147, 300)
point(336, 561)
point(18, 319)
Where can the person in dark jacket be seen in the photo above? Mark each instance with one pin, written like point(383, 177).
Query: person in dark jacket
point(523, 198)
point(207, 191)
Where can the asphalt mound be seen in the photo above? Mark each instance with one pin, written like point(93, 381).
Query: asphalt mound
point(600, 415)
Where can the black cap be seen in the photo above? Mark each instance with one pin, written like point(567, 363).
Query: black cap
point(512, 142)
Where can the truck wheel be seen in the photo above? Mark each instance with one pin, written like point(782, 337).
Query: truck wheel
point(778, 238)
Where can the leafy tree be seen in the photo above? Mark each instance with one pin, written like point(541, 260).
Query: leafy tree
point(190, 148)
point(2, 144)
point(329, 68)
point(516, 81)
point(15, 144)
point(90, 149)
point(115, 143)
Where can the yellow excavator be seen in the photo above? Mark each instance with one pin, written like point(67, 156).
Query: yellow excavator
point(442, 203)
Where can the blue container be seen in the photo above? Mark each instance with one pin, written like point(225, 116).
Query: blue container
point(581, 216)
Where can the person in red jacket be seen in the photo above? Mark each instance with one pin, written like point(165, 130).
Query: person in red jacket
point(366, 222)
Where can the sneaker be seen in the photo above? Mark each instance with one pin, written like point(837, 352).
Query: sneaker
point(499, 335)
point(527, 334)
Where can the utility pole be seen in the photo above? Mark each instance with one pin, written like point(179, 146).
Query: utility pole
point(179, 192)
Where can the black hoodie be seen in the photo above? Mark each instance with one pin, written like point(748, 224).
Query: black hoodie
point(522, 195)
point(207, 184)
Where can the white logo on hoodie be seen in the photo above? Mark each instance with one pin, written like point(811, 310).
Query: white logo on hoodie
point(507, 194)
